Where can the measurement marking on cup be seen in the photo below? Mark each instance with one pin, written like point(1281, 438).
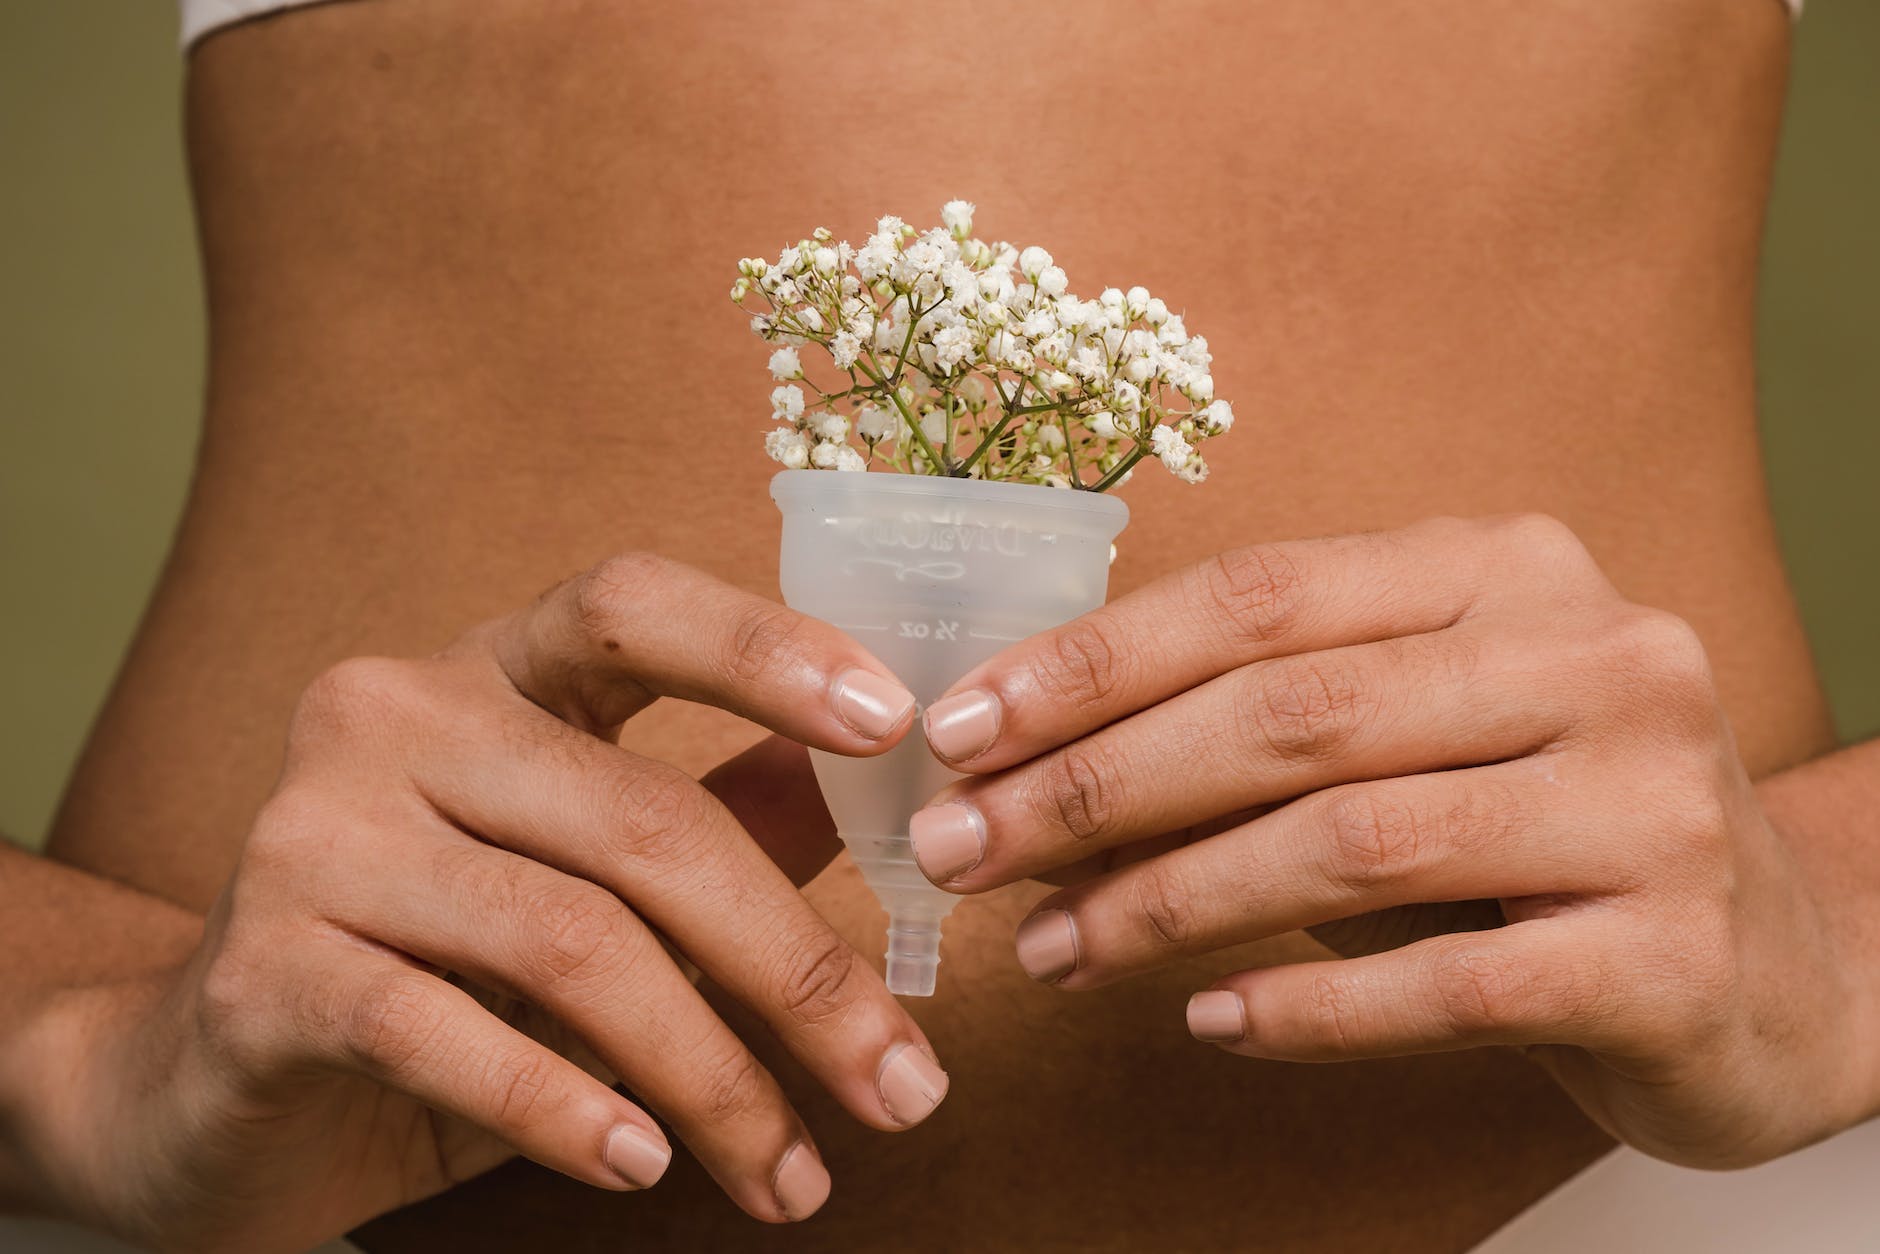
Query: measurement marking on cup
point(938, 629)
point(992, 635)
point(860, 626)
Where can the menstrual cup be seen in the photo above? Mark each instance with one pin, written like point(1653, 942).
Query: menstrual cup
point(932, 575)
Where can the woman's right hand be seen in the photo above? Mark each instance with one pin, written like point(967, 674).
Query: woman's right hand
point(459, 869)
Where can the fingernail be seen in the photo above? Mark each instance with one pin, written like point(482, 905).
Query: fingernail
point(963, 726)
point(911, 1084)
point(801, 1183)
point(1047, 946)
point(637, 1156)
point(949, 840)
point(870, 705)
point(1216, 1016)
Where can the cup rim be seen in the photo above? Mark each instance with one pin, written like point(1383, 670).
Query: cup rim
point(788, 486)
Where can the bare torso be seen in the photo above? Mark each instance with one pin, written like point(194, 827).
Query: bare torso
point(467, 268)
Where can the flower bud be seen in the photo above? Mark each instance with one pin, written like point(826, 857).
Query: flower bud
point(958, 217)
point(740, 290)
point(824, 259)
point(1033, 262)
point(1136, 301)
point(821, 235)
point(1155, 311)
point(874, 424)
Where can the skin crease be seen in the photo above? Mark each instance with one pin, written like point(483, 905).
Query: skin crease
point(1452, 257)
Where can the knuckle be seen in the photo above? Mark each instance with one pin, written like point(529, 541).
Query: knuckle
point(295, 828)
point(580, 932)
point(1539, 540)
point(1661, 645)
point(1160, 899)
point(816, 983)
point(391, 1024)
point(600, 596)
point(229, 1007)
point(526, 1091)
point(1256, 590)
point(1693, 818)
point(1332, 1011)
point(1077, 794)
point(1084, 664)
point(729, 1089)
point(359, 695)
point(1374, 841)
point(659, 814)
point(1481, 993)
point(763, 637)
point(1302, 710)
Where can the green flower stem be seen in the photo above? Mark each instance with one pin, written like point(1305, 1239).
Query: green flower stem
point(1122, 468)
point(913, 424)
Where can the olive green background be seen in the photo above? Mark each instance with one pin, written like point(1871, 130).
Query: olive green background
point(101, 346)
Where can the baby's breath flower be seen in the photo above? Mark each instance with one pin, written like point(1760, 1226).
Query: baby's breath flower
point(785, 364)
point(1170, 447)
point(874, 424)
point(786, 403)
point(787, 446)
point(975, 359)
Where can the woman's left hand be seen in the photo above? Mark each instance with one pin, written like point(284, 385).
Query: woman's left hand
point(1453, 751)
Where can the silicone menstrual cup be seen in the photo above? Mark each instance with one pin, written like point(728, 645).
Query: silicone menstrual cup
point(932, 575)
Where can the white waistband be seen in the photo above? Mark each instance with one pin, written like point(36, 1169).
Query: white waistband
point(202, 16)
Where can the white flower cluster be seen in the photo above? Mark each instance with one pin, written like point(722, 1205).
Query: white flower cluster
point(968, 358)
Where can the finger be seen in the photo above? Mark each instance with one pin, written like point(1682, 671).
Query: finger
point(1267, 732)
point(1545, 981)
point(603, 645)
point(1487, 832)
point(659, 842)
point(771, 790)
point(575, 950)
point(1246, 605)
point(1117, 857)
point(414, 1033)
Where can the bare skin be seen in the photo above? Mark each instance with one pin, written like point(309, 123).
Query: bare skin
point(1453, 258)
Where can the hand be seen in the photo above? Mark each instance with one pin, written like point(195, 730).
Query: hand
point(462, 889)
point(1454, 751)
